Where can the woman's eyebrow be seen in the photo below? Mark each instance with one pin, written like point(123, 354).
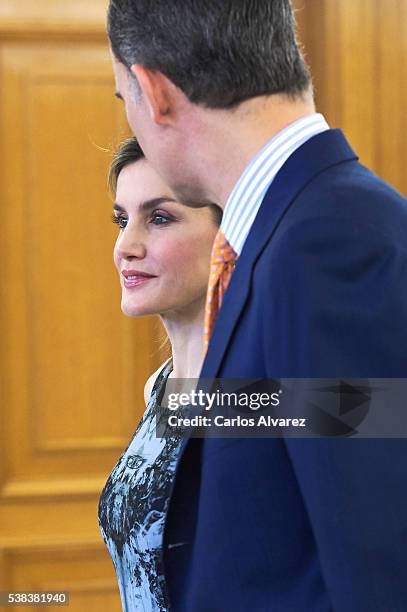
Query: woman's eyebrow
point(147, 205)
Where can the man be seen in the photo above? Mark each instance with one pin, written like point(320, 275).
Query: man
point(219, 96)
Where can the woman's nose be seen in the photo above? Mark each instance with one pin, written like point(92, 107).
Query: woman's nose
point(129, 245)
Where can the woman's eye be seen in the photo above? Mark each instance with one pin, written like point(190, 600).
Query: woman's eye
point(119, 220)
point(160, 219)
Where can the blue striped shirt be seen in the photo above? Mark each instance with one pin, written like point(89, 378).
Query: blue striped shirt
point(244, 202)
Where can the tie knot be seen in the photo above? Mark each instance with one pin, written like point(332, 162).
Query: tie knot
point(222, 251)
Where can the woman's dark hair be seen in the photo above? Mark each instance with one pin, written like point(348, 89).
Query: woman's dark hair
point(218, 52)
point(128, 152)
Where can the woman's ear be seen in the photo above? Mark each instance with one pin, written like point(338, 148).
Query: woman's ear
point(158, 92)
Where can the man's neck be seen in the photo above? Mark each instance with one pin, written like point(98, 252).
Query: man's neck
point(234, 138)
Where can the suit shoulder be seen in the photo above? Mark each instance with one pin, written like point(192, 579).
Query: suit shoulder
point(353, 192)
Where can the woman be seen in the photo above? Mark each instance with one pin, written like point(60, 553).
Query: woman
point(162, 255)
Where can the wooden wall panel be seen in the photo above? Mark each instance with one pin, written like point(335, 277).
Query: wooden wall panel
point(392, 91)
point(82, 571)
point(69, 345)
point(357, 50)
point(73, 366)
point(53, 18)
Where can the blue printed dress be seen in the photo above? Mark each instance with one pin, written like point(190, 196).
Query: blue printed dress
point(132, 510)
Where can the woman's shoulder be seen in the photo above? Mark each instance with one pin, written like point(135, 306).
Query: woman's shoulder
point(148, 387)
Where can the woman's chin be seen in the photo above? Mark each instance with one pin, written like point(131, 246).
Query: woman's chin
point(132, 310)
point(136, 310)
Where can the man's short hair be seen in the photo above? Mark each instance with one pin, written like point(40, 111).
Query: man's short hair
point(218, 52)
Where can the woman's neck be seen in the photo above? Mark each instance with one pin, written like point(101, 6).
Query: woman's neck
point(185, 331)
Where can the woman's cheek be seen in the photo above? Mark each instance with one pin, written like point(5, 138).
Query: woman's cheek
point(182, 252)
point(190, 254)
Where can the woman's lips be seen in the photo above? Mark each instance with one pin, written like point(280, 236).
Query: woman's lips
point(133, 281)
point(133, 278)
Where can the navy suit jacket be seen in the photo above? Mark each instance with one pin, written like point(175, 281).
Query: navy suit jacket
point(303, 525)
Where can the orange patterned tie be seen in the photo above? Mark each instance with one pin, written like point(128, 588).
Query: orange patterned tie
point(223, 260)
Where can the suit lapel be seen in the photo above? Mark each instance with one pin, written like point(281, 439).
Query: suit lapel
point(316, 155)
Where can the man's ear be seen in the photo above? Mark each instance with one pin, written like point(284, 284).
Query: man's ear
point(157, 91)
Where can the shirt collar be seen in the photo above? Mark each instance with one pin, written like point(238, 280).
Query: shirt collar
point(248, 193)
